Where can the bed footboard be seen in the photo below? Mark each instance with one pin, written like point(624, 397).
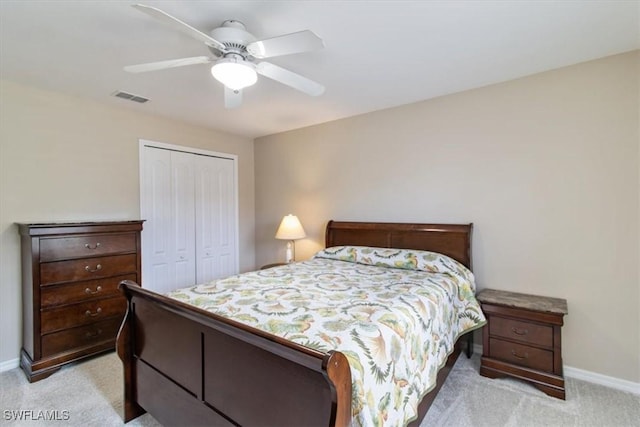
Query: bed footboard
point(187, 366)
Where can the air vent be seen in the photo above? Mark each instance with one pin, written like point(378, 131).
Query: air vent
point(130, 97)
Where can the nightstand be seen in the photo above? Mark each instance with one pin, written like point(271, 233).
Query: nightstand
point(275, 264)
point(522, 338)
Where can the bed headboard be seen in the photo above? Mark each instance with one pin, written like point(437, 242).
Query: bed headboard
point(453, 240)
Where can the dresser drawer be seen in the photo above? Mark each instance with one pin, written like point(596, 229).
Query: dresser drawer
point(522, 355)
point(525, 332)
point(86, 246)
point(83, 313)
point(86, 269)
point(81, 337)
point(73, 292)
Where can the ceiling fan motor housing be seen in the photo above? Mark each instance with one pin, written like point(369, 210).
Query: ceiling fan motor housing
point(234, 35)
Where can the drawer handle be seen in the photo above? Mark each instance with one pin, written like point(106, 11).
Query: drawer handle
point(93, 334)
point(517, 356)
point(88, 246)
point(519, 331)
point(90, 292)
point(88, 313)
point(98, 267)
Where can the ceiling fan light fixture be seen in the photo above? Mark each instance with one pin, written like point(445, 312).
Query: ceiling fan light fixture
point(234, 74)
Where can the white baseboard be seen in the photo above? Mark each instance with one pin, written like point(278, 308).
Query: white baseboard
point(592, 377)
point(605, 380)
point(9, 364)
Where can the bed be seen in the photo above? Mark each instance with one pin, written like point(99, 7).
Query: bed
point(188, 365)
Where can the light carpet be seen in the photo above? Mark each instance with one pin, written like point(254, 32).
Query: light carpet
point(91, 394)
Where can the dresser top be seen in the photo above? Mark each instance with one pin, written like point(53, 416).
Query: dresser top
point(526, 301)
point(56, 228)
point(75, 223)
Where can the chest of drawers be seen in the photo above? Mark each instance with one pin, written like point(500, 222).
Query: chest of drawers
point(522, 338)
point(72, 308)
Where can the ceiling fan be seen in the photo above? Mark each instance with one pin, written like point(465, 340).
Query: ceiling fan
point(235, 56)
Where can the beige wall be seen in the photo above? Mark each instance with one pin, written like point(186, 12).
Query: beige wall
point(63, 158)
point(546, 167)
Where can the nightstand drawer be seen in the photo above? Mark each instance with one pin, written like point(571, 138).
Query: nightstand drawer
point(525, 332)
point(522, 355)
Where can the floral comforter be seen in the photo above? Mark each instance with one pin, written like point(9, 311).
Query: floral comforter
point(394, 313)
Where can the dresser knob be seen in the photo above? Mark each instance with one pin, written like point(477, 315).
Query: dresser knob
point(98, 267)
point(520, 331)
point(88, 246)
point(90, 292)
point(88, 313)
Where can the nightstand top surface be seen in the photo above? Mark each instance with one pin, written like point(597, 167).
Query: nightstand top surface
point(275, 264)
point(525, 301)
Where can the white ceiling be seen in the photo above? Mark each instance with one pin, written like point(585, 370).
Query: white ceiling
point(378, 54)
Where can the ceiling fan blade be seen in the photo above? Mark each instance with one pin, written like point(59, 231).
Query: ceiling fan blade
point(290, 78)
point(232, 98)
point(171, 63)
point(302, 41)
point(179, 25)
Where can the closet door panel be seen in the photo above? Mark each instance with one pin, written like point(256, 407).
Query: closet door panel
point(206, 219)
point(215, 218)
point(183, 219)
point(227, 259)
point(157, 250)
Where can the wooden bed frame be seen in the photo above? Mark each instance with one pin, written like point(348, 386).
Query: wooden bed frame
point(187, 366)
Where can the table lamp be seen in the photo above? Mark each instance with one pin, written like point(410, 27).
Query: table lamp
point(290, 229)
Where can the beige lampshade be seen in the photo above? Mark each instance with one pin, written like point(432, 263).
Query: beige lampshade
point(290, 229)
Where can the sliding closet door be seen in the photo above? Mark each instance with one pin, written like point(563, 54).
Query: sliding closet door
point(189, 202)
point(215, 218)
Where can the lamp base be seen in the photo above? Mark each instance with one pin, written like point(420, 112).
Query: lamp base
point(291, 250)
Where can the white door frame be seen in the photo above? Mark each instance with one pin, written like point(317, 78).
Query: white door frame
point(142, 143)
